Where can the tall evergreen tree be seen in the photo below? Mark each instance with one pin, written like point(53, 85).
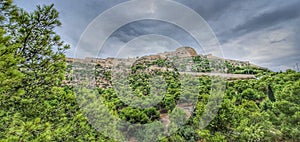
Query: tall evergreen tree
point(41, 49)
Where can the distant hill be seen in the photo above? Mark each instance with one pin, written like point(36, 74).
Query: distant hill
point(182, 60)
point(179, 54)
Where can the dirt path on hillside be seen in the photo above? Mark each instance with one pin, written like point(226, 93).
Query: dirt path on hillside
point(223, 75)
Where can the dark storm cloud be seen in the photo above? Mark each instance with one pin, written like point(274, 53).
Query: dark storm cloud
point(270, 18)
point(265, 20)
point(209, 9)
point(143, 27)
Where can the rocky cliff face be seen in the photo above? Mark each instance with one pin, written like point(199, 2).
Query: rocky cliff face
point(183, 52)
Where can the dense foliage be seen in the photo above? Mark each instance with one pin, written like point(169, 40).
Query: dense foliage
point(35, 105)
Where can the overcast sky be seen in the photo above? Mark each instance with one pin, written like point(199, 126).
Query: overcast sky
point(264, 32)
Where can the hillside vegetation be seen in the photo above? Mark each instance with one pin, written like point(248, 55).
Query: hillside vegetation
point(36, 103)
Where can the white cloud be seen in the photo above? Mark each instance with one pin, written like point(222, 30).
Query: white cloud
point(147, 45)
point(265, 48)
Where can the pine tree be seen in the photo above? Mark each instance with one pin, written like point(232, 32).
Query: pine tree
point(40, 49)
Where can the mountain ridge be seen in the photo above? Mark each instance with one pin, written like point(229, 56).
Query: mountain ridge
point(182, 52)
